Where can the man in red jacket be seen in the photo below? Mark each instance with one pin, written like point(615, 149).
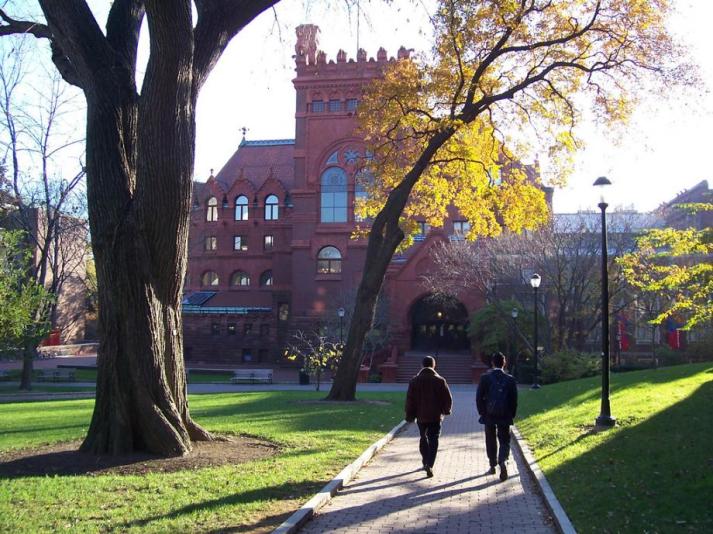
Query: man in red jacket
point(428, 399)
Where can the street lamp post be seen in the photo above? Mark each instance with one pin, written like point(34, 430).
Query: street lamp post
point(535, 283)
point(340, 313)
point(605, 418)
point(513, 342)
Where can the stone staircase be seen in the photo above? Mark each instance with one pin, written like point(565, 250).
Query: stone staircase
point(455, 367)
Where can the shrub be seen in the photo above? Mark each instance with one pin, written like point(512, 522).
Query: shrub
point(667, 356)
point(568, 365)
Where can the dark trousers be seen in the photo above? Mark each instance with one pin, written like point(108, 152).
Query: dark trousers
point(503, 443)
point(429, 442)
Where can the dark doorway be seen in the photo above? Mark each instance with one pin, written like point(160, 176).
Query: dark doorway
point(439, 325)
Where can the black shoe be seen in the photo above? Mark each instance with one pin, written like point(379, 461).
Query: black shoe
point(429, 472)
point(491, 471)
point(503, 471)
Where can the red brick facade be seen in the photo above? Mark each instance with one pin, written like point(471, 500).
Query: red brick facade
point(313, 180)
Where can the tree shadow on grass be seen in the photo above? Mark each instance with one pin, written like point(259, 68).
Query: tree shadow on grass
point(288, 490)
point(655, 475)
point(65, 459)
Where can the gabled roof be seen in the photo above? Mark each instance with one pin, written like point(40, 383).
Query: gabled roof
point(256, 161)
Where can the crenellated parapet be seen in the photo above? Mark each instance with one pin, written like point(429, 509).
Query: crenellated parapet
point(309, 59)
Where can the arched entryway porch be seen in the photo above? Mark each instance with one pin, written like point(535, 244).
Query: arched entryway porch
point(439, 325)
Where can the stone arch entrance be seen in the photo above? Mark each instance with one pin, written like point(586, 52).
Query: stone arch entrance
point(438, 325)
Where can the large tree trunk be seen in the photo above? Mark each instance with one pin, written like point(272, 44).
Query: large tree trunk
point(28, 356)
point(139, 176)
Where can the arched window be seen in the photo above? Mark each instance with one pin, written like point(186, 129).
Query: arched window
point(210, 278)
point(329, 261)
point(241, 208)
point(212, 210)
point(334, 195)
point(266, 278)
point(240, 278)
point(272, 208)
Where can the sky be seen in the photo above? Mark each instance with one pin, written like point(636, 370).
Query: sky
point(665, 150)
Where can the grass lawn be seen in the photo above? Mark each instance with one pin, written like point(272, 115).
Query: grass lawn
point(316, 441)
point(653, 472)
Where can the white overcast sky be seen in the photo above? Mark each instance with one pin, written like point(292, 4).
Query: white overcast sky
point(666, 149)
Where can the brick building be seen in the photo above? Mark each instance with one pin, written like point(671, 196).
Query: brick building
point(271, 248)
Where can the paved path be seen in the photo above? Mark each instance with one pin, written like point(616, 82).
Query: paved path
point(392, 493)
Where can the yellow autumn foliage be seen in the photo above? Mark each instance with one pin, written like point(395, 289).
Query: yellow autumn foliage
point(505, 80)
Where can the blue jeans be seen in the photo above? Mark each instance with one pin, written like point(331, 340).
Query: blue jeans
point(429, 442)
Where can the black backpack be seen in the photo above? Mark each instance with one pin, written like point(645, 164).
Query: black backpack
point(497, 397)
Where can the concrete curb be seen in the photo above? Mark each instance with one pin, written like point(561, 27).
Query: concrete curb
point(560, 516)
point(305, 513)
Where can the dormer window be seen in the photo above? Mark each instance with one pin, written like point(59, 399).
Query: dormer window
point(212, 210)
point(272, 207)
point(241, 208)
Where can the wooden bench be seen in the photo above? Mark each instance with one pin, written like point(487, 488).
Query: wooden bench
point(56, 375)
point(252, 376)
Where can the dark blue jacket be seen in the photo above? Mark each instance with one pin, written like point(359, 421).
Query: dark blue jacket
point(481, 398)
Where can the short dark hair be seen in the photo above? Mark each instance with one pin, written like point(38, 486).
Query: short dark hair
point(429, 361)
point(497, 359)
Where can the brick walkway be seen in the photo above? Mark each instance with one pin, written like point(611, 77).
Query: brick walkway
point(392, 493)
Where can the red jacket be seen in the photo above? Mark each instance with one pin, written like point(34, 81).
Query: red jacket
point(428, 398)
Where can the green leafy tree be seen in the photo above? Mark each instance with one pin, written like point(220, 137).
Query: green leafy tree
point(23, 301)
point(505, 79)
point(676, 263)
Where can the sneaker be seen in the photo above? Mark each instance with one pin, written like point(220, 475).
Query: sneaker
point(491, 471)
point(503, 471)
point(429, 472)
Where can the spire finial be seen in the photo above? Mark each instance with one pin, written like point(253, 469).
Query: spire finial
point(244, 129)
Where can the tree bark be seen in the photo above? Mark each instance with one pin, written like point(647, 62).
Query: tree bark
point(28, 356)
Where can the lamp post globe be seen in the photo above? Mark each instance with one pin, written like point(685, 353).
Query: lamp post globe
point(605, 418)
point(535, 280)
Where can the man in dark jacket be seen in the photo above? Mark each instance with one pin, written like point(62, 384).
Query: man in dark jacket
point(428, 399)
point(497, 405)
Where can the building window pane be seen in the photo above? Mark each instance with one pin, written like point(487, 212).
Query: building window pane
point(271, 208)
point(247, 329)
point(268, 242)
point(461, 229)
point(351, 104)
point(335, 105)
point(329, 261)
point(266, 278)
point(283, 311)
point(241, 208)
point(334, 195)
point(209, 278)
point(232, 328)
point(239, 242)
point(212, 210)
point(317, 106)
point(211, 242)
point(247, 355)
point(240, 278)
point(264, 330)
point(214, 329)
point(423, 229)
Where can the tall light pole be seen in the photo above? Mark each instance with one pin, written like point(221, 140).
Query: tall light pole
point(340, 313)
point(535, 283)
point(605, 418)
